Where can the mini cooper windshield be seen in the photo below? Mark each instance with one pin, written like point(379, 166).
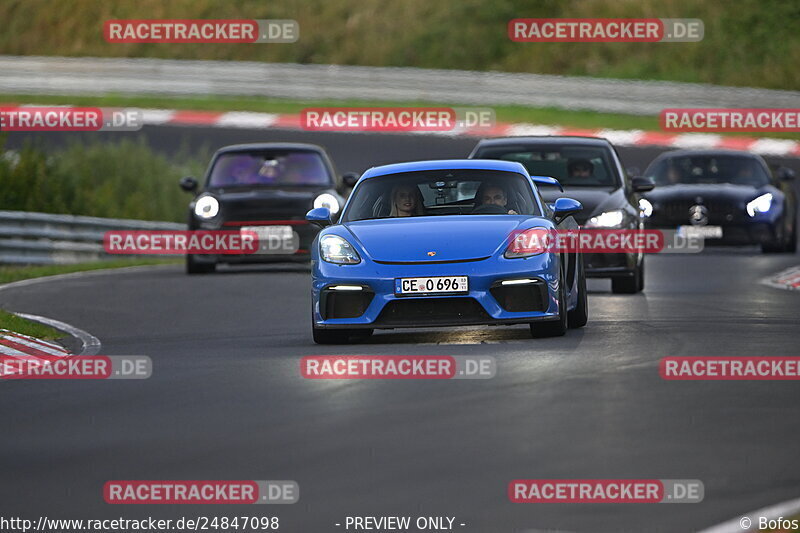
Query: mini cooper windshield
point(269, 168)
point(437, 193)
point(709, 169)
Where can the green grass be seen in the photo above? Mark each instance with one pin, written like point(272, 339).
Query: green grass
point(120, 179)
point(9, 274)
point(28, 327)
point(746, 43)
point(541, 116)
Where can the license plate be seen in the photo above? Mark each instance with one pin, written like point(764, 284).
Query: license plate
point(274, 239)
point(706, 232)
point(435, 285)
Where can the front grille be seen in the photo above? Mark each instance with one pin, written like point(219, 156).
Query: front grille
point(521, 298)
point(678, 210)
point(344, 304)
point(432, 312)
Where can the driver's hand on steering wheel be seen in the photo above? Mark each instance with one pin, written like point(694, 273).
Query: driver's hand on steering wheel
point(512, 212)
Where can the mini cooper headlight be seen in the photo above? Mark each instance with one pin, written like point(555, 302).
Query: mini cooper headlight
point(327, 200)
point(335, 249)
point(609, 219)
point(206, 207)
point(760, 204)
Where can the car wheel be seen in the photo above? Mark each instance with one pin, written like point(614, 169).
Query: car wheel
point(553, 328)
point(791, 246)
point(772, 248)
point(629, 284)
point(578, 317)
point(195, 267)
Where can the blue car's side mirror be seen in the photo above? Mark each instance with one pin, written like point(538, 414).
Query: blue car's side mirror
point(565, 207)
point(321, 216)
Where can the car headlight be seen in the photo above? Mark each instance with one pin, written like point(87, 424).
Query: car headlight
point(206, 207)
point(335, 249)
point(645, 207)
point(609, 219)
point(760, 204)
point(327, 200)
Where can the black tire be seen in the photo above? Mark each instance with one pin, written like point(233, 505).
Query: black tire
point(792, 245)
point(578, 317)
point(629, 284)
point(195, 267)
point(772, 248)
point(554, 328)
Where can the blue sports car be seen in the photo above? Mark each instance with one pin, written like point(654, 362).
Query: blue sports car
point(435, 243)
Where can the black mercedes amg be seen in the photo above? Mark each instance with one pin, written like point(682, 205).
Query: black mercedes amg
point(265, 188)
point(725, 196)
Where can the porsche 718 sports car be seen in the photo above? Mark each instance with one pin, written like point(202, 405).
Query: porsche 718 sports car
point(726, 197)
point(430, 244)
point(264, 188)
point(591, 172)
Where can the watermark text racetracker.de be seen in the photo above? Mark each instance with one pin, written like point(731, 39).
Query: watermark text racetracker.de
point(730, 368)
point(605, 30)
point(172, 492)
point(397, 367)
point(37, 118)
point(606, 491)
point(396, 119)
point(229, 31)
point(539, 240)
point(730, 120)
point(76, 367)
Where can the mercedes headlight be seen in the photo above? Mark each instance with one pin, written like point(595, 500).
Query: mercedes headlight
point(645, 207)
point(609, 219)
point(760, 204)
point(327, 200)
point(206, 207)
point(335, 249)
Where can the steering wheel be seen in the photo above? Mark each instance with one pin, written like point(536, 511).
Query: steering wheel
point(490, 209)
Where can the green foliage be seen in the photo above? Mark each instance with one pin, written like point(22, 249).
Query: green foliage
point(124, 179)
point(747, 42)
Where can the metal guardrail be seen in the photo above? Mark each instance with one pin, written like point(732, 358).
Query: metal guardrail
point(97, 76)
point(42, 238)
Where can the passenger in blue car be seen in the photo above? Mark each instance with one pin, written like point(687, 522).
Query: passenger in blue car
point(406, 201)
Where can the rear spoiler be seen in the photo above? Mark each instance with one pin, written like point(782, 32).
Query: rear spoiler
point(544, 180)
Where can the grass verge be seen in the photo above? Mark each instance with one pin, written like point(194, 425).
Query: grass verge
point(28, 327)
point(10, 274)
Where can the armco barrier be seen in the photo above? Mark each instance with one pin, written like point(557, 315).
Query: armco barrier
point(42, 238)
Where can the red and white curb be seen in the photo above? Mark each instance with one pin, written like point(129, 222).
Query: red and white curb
point(281, 121)
point(22, 347)
point(788, 279)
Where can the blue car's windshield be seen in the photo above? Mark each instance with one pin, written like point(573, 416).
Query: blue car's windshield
point(269, 168)
point(442, 192)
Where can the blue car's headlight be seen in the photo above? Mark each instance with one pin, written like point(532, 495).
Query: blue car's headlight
point(609, 219)
point(760, 204)
point(335, 249)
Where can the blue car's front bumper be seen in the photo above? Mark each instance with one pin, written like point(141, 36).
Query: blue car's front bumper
point(375, 305)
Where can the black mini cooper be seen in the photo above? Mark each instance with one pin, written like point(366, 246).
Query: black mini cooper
point(265, 188)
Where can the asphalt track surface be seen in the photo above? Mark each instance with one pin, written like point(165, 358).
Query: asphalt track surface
point(226, 400)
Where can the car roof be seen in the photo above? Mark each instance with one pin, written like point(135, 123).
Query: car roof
point(544, 139)
point(446, 164)
point(270, 146)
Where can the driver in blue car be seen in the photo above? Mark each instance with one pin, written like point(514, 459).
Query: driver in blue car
point(493, 195)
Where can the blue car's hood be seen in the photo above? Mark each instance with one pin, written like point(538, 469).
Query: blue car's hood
point(452, 237)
